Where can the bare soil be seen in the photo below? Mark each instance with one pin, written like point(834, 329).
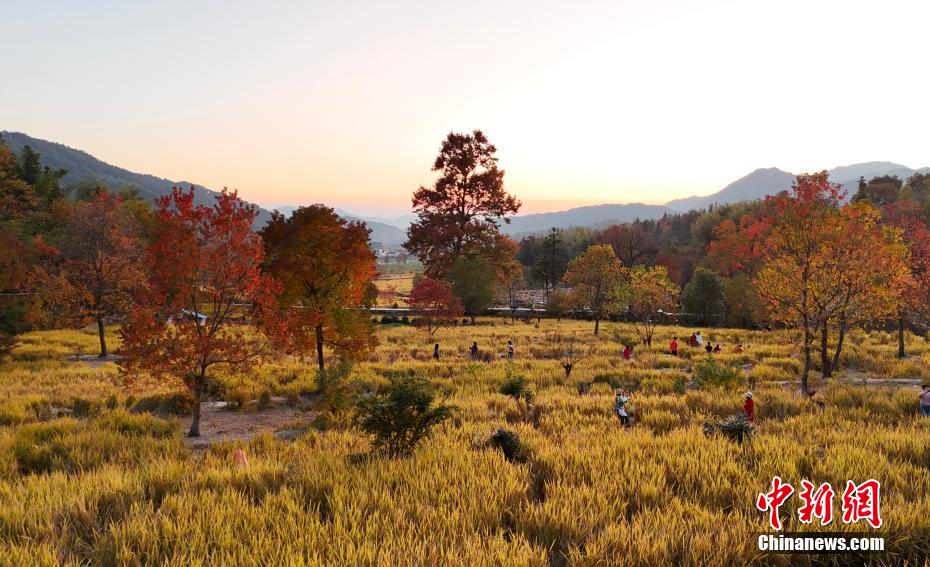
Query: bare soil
point(219, 423)
point(95, 361)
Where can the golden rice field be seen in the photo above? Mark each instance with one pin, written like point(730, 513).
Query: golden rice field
point(394, 288)
point(106, 486)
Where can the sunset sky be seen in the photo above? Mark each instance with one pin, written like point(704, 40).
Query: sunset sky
point(588, 102)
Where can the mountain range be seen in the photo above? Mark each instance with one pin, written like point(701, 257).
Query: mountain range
point(392, 231)
point(83, 166)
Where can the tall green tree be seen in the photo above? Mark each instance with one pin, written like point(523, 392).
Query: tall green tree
point(704, 297)
point(473, 282)
point(551, 260)
point(880, 191)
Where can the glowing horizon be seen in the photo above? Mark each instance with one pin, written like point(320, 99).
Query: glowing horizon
point(612, 102)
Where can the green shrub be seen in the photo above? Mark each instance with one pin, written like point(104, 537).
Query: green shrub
point(334, 386)
point(710, 374)
point(401, 416)
point(515, 386)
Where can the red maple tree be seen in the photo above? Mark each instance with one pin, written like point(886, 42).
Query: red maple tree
point(100, 262)
point(207, 303)
point(327, 270)
point(436, 303)
point(908, 217)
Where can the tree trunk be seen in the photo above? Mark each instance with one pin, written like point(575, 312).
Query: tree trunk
point(901, 353)
point(825, 368)
point(568, 370)
point(805, 371)
point(597, 324)
point(103, 337)
point(319, 347)
point(198, 398)
point(839, 346)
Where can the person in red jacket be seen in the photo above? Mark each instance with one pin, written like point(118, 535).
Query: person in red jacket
point(673, 346)
point(749, 407)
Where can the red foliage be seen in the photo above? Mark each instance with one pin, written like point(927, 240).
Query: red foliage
point(204, 284)
point(909, 218)
point(436, 302)
point(458, 215)
point(101, 257)
point(327, 271)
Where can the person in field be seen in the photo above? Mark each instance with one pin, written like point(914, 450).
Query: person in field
point(749, 406)
point(708, 349)
point(924, 398)
point(436, 351)
point(673, 346)
point(698, 338)
point(474, 350)
point(621, 397)
point(738, 349)
point(692, 341)
point(627, 352)
point(509, 350)
point(717, 348)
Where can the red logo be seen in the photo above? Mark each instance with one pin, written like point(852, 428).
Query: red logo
point(860, 502)
point(772, 501)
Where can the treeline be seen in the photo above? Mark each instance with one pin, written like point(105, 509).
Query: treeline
point(196, 286)
point(713, 292)
point(48, 236)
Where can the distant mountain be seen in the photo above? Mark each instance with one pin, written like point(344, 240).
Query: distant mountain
point(848, 175)
point(756, 185)
point(82, 166)
point(594, 216)
point(383, 231)
point(763, 182)
point(392, 231)
point(869, 170)
point(401, 222)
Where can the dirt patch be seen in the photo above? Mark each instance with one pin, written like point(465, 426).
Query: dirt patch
point(93, 360)
point(855, 377)
point(218, 423)
point(858, 377)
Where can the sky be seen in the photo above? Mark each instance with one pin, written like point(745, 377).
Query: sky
point(346, 103)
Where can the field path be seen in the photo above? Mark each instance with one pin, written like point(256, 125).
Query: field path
point(219, 423)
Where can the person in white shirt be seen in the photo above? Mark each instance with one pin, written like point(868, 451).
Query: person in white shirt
point(621, 397)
